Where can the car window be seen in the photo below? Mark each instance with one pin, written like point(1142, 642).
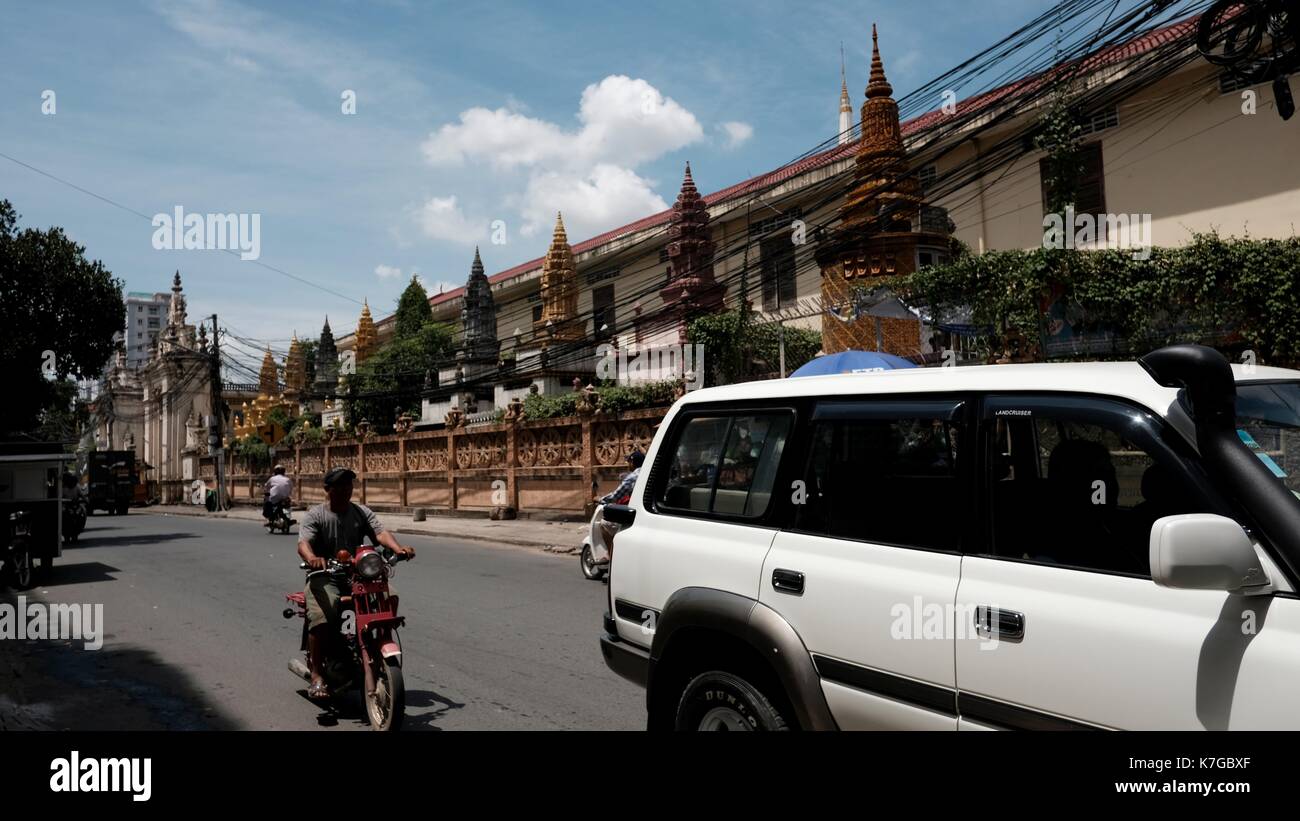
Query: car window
point(884, 480)
point(726, 464)
point(1081, 493)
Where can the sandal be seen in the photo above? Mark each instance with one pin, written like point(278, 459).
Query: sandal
point(318, 691)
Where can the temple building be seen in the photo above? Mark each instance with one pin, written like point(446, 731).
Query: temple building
point(325, 388)
point(161, 409)
point(255, 419)
point(884, 226)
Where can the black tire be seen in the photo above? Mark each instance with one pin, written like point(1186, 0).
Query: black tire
point(590, 570)
point(121, 511)
point(718, 700)
point(20, 569)
point(389, 720)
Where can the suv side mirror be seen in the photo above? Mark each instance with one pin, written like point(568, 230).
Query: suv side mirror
point(1202, 551)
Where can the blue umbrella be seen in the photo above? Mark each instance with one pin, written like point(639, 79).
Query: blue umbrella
point(853, 362)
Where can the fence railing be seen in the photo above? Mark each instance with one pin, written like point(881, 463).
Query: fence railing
point(550, 465)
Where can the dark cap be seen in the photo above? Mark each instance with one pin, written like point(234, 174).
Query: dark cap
point(337, 474)
point(636, 458)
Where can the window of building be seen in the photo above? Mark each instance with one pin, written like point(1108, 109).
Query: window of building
point(778, 272)
point(603, 274)
point(1099, 121)
point(1090, 197)
point(663, 255)
point(153, 322)
point(725, 465)
point(602, 311)
point(1230, 82)
point(927, 175)
point(153, 309)
point(537, 313)
point(876, 473)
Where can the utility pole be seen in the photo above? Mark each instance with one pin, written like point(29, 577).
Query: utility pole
point(214, 421)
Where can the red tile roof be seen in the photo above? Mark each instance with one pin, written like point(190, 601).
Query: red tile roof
point(1109, 56)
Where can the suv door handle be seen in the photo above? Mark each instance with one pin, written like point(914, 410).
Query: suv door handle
point(1006, 623)
point(787, 581)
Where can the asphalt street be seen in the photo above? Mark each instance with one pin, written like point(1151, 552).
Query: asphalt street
point(497, 637)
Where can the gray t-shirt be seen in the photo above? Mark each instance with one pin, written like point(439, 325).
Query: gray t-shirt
point(328, 533)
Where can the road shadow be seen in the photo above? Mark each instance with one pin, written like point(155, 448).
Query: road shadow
point(80, 573)
point(425, 720)
point(134, 539)
point(58, 685)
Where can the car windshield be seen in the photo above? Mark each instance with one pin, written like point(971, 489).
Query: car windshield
point(1268, 421)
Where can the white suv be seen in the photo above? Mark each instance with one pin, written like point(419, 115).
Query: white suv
point(1092, 545)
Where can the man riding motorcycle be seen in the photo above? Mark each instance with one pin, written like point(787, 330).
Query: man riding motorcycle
point(326, 529)
point(620, 495)
point(278, 489)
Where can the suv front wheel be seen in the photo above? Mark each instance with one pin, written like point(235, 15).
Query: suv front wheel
point(718, 700)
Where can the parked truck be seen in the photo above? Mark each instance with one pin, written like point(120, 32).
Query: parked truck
point(111, 480)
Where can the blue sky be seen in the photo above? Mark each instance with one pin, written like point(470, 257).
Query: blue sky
point(465, 113)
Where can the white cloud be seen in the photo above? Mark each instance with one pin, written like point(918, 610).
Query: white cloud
point(387, 272)
point(441, 218)
point(587, 172)
point(606, 197)
point(736, 134)
point(623, 120)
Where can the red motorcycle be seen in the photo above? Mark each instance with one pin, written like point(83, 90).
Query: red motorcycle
point(367, 651)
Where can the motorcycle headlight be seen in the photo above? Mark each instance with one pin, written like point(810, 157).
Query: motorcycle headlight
point(370, 565)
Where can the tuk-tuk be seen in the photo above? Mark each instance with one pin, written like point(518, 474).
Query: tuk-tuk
point(31, 508)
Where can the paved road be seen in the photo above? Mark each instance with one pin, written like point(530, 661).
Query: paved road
point(496, 637)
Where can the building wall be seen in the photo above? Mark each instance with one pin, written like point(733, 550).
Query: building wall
point(1182, 152)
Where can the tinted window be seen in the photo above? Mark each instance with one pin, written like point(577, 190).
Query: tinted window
point(725, 464)
point(1082, 493)
point(891, 481)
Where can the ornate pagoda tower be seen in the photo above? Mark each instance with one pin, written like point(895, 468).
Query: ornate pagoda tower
point(883, 223)
point(559, 322)
point(478, 316)
point(691, 288)
point(269, 397)
point(366, 339)
point(327, 363)
point(295, 369)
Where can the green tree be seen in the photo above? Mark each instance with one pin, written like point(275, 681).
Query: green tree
point(60, 312)
point(413, 311)
point(309, 347)
point(391, 380)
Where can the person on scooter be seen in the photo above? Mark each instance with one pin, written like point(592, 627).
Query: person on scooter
point(279, 488)
point(620, 495)
point(336, 525)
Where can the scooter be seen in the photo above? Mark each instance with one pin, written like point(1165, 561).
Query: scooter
point(366, 653)
point(595, 554)
point(280, 518)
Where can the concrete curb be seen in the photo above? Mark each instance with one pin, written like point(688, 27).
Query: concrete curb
point(493, 538)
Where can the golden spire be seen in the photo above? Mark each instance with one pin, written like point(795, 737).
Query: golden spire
point(295, 367)
point(267, 382)
point(366, 336)
point(878, 86)
point(559, 288)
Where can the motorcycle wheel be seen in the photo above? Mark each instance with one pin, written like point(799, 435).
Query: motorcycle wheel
point(590, 569)
point(386, 707)
point(20, 567)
